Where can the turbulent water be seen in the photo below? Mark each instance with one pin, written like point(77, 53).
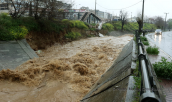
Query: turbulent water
point(62, 73)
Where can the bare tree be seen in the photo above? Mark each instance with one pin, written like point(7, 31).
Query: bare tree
point(16, 8)
point(159, 22)
point(123, 16)
point(38, 9)
point(139, 21)
point(48, 8)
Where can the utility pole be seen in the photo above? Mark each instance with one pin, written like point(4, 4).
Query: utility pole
point(143, 12)
point(165, 20)
point(131, 16)
point(95, 7)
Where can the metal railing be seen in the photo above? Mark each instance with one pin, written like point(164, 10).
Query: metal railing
point(148, 92)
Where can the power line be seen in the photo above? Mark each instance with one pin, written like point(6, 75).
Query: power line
point(121, 8)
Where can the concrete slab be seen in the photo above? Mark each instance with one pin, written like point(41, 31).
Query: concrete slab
point(13, 55)
point(130, 92)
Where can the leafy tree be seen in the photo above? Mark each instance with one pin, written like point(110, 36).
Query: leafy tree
point(159, 22)
point(169, 22)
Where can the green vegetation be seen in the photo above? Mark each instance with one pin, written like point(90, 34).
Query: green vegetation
point(163, 69)
point(143, 38)
point(152, 50)
point(137, 82)
point(92, 29)
point(108, 26)
point(90, 35)
point(131, 26)
point(138, 87)
point(73, 35)
point(135, 38)
point(146, 43)
point(18, 28)
point(78, 24)
point(9, 29)
point(93, 24)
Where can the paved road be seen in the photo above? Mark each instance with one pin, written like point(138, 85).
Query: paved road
point(163, 41)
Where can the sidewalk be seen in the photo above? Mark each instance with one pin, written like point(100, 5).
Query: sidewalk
point(165, 83)
point(14, 53)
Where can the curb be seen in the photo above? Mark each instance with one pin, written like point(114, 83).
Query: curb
point(25, 46)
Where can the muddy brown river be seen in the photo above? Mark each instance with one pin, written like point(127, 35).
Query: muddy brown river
point(62, 73)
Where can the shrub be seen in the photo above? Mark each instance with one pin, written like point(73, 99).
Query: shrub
point(92, 29)
point(73, 35)
point(132, 26)
point(108, 26)
point(5, 25)
point(65, 20)
point(18, 32)
point(93, 24)
point(163, 68)
point(143, 38)
point(152, 50)
point(145, 42)
point(86, 24)
point(30, 23)
point(78, 24)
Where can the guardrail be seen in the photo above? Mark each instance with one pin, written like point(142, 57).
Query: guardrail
point(149, 90)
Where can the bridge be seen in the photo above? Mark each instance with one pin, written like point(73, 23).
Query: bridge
point(89, 17)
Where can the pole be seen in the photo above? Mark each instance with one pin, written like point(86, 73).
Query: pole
point(143, 13)
point(95, 12)
point(95, 7)
point(165, 20)
point(131, 16)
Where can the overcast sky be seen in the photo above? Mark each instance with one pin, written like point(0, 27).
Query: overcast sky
point(152, 7)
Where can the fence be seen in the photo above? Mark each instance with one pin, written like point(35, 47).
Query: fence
point(150, 89)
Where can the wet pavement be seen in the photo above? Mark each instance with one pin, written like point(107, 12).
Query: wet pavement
point(164, 42)
point(167, 89)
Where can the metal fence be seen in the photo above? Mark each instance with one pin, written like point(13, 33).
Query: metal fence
point(150, 91)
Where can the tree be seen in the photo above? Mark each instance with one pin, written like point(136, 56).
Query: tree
point(159, 22)
point(17, 8)
point(139, 21)
point(123, 16)
point(38, 9)
point(48, 9)
point(169, 22)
